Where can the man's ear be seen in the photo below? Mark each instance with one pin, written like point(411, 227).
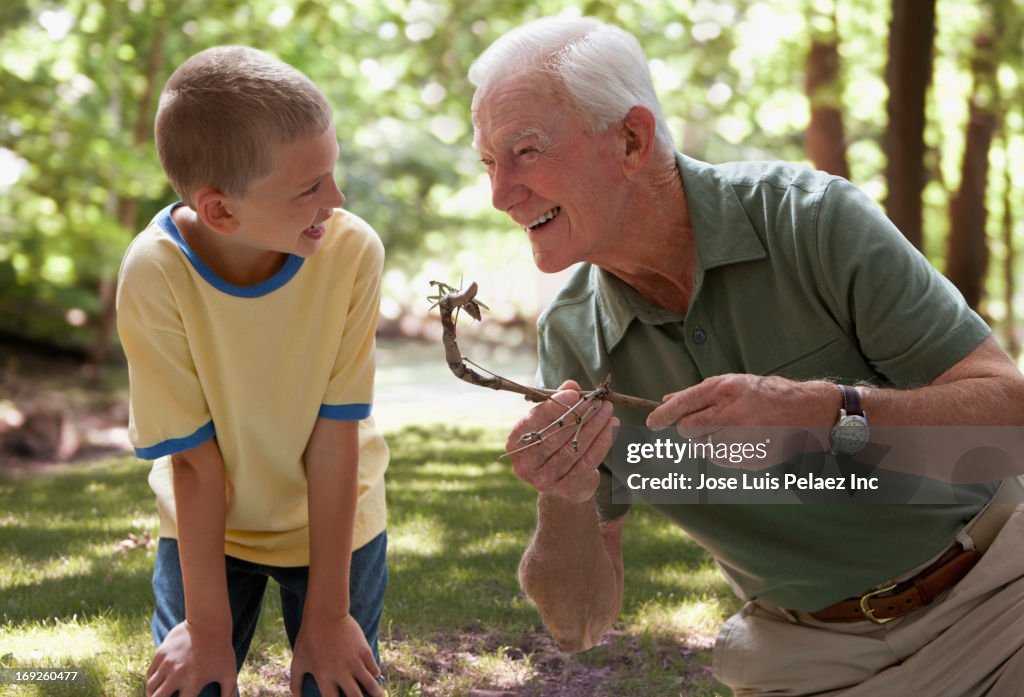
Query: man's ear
point(213, 208)
point(638, 129)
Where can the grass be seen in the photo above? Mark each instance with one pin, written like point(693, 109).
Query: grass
point(454, 622)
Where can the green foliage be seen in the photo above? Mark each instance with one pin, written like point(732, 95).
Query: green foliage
point(79, 81)
point(454, 621)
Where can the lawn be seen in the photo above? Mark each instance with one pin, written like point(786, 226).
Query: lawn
point(76, 556)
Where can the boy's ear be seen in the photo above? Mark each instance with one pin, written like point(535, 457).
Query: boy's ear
point(637, 130)
point(213, 208)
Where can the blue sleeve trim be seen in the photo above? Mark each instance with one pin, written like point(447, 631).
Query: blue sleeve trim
point(177, 445)
point(345, 412)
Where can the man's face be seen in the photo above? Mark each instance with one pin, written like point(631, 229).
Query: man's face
point(552, 178)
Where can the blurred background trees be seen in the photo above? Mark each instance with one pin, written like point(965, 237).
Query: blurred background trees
point(919, 102)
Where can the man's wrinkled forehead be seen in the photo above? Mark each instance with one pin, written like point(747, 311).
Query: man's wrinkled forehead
point(509, 140)
point(533, 86)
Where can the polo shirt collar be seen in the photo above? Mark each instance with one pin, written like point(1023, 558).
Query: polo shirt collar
point(618, 305)
point(721, 227)
point(723, 235)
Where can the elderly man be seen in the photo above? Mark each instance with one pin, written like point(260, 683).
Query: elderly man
point(755, 294)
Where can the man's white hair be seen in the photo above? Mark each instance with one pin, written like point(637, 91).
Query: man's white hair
point(602, 67)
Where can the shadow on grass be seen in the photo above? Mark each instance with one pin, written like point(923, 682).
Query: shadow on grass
point(459, 520)
point(57, 539)
point(475, 517)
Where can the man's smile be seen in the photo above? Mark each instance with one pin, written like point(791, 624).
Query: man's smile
point(550, 215)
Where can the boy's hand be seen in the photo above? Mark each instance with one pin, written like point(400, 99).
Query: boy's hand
point(335, 653)
point(189, 659)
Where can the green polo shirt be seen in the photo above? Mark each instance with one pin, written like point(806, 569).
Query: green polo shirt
point(799, 274)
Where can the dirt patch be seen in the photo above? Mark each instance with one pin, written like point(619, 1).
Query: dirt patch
point(477, 663)
point(55, 409)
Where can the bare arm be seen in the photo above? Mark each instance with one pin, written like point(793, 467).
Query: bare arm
point(332, 471)
point(978, 402)
point(573, 567)
point(331, 645)
point(200, 502)
point(573, 571)
point(985, 388)
point(199, 650)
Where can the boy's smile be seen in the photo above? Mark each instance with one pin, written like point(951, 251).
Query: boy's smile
point(315, 231)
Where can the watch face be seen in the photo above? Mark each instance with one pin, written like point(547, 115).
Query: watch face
point(850, 435)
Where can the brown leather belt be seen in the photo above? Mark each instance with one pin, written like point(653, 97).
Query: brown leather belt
point(903, 597)
point(895, 600)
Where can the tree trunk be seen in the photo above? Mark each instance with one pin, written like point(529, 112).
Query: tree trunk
point(909, 73)
point(967, 252)
point(1011, 341)
point(825, 140)
point(127, 208)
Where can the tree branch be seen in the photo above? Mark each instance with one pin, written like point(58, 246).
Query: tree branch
point(451, 302)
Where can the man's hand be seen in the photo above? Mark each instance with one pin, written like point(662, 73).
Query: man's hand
point(189, 659)
point(335, 653)
point(795, 417)
point(553, 466)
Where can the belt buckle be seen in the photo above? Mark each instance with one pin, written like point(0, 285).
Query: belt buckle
point(869, 611)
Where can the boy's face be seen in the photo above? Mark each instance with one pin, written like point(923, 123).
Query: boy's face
point(284, 211)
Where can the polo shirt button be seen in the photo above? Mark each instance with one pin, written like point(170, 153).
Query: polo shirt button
point(699, 336)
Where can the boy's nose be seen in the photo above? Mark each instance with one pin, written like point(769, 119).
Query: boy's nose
point(336, 199)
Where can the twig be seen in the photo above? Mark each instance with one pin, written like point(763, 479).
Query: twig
point(460, 366)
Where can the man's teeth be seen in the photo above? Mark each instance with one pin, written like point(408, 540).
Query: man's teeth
point(545, 218)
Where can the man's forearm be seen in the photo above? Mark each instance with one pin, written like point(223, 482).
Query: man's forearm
point(966, 426)
point(977, 403)
point(199, 494)
point(573, 572)
point(996, 401)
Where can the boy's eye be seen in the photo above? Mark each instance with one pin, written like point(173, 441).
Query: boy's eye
point(311, 190)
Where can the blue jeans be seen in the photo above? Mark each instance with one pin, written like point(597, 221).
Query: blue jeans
point(368, 577)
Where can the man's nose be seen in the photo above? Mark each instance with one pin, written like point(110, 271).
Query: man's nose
point(506, 190)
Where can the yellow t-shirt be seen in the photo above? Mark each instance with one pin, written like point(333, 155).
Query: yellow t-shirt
point(254, 366)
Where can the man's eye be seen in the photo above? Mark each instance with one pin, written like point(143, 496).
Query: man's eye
point(527, 151)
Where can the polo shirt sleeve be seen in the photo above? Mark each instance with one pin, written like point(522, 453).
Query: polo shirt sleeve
point(909, 321)
point(168, 412)
point(349, 394)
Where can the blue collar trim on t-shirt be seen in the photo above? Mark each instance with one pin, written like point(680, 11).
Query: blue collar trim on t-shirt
point(285, 274)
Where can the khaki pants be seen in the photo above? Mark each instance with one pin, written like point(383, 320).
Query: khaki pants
point(968, 643)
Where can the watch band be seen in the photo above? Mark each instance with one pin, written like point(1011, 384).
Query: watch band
point(851, 400)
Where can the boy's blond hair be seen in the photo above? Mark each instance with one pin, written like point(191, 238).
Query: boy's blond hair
point(224, 113)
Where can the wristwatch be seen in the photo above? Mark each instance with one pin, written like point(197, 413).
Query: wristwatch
point(851, 432)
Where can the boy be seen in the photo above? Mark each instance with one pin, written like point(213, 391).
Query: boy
point(247, 312)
